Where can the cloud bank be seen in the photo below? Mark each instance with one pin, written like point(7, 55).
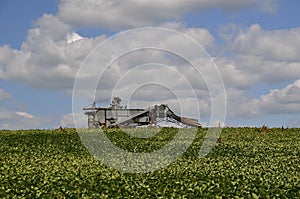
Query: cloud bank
point(53, 52)
point(120, 14)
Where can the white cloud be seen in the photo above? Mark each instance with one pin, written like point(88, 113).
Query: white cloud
point(25, 115)
point(50, 59)
point(67, 120)
point(276, 45)
point(50, 56)
point(240, 105)
point(286, 100)
point(116, 14)
point(52, 27)
point(53, 51)
point(268, 71)
point(73, 37)
point(14, 117)
point(201, 35)
point(277, 101)
point(10, 119)
point(233, 77)
point(175, 76)
point(265, 56)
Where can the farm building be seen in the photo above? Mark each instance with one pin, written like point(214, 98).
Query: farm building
point(119, 116)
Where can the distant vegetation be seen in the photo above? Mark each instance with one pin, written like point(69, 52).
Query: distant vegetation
point(246, 162)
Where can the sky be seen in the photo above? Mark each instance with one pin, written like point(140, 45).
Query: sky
point(255, 45)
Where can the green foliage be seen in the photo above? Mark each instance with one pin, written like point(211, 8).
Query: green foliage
point(136, 144)
point(248, 163)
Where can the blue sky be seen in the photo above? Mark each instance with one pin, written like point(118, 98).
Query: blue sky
point(254, 44)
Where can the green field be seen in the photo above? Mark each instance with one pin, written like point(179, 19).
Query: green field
point(248, 163)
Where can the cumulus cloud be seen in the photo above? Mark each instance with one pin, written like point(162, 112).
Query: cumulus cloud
point(276, 45)
point(54, 67)
point(241, 105)
point(136, 13)
point(286, 100)
point(50, 59)
point(52, 27)
point(232, 75)
point(68, 121)
point(149, 74)
point(277, 101)
point(262, 70)
point(11, 119)
point(50, 56)
point(265, 56)
point(53, 52)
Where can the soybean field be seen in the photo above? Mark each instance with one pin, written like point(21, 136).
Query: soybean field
point(245, 163)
